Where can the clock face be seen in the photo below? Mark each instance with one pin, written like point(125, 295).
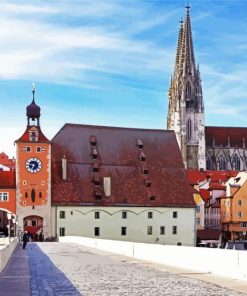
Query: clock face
point(33, 165)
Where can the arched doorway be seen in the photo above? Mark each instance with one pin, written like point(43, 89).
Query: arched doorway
point(34, 226)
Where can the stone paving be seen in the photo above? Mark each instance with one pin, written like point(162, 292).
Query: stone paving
point(96, 273)
point(46, 278)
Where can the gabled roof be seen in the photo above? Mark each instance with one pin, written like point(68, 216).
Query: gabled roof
point(119, 157)
point(205, 194)
point(234, 136)
point(25, 136)
point(7, 179)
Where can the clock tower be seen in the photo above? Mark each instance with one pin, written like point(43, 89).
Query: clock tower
point(33, 176)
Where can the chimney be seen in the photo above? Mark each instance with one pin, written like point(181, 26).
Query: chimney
point(107, 186)
point(64, 168)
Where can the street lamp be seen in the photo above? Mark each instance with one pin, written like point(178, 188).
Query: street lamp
point(9, 215)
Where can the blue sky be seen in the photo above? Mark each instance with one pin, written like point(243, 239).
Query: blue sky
point(108, 62)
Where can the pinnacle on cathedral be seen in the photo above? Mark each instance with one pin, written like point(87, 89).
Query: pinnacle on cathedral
point(185, 101)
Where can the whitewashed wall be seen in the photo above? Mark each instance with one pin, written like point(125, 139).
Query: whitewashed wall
point(5, 253)
point(230, 263)
point(80, 221)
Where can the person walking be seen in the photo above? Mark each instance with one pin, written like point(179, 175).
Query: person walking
point(25, 239)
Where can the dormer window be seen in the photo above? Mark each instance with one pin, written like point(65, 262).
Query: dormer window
point(93, 140)
point(94, 153)
point(95, 167)
point(142, 156)
point(147, 183)
point(96, 179)
point(145, 170)
point(139, 143)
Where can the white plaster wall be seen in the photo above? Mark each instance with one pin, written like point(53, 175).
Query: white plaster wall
point(80, 221)
point(5, 254)
point(230, 263)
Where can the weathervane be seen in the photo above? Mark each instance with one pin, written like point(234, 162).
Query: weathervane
point(33, 89)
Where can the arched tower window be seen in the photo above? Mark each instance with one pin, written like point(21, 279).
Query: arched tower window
point(236, 162)
point(221, 161)
point(208, 163)
point(188, 91)
point(189, 129)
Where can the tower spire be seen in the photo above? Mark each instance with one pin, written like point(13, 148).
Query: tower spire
point(185, 100)
point(177, 68)
point(188, 51)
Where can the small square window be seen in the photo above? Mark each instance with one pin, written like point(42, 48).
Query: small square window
point(149, 230)
point(71, 213)
point(123, 230)
point(174, 229)
point(62, 214)
point(150, 215)
point(179, 244)
point(239, 202)
point(96, 231)
point(175, 214)
point(62, 231)
point(162, 230)
point(34, 223)
point(124, 215)
point(239, 214)
point(96, 215)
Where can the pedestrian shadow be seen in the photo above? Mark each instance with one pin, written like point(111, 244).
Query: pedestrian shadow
point(46, 278)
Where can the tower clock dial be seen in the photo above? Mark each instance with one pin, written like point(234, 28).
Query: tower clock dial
point(33, 165)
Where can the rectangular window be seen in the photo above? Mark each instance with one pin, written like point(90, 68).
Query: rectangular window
point(150, 215)
point(162, 230)
point(124, 215)
point(96, 231)
point(4, 196)
point(239, 214)
point(34, 223)
point(198, 221)
point(26, 149)
point(62, 231)
point(71, 213)
point(198, 208)
point(149, 230)
point(243, 224)
point(123, 230)
point(40, 149)
point(239, 202)
point(175, 214)
point(174, 229)
point(96, 215)
point(62, 214)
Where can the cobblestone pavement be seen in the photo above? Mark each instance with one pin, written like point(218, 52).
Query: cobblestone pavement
point(46, 278)
point(95, 274)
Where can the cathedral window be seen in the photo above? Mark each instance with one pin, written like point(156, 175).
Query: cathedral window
point(188, 91)
point(221, 163)
point(189, 129)
point(236, 162)
point(208, 163)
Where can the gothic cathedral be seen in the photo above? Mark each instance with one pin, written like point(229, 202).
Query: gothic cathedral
point(33, 175)
point(186, 109)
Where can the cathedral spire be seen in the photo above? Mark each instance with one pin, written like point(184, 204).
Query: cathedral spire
point(179, 47)
point(188, 51)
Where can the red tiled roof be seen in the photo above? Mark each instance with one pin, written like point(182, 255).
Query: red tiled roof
point(7, 179)
point(215, 186)
point(219, 177)
point(205, 194)
point(195, 176)
point(235, 136)
point(25, 136)
point(118, 156)
point(6, 161)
